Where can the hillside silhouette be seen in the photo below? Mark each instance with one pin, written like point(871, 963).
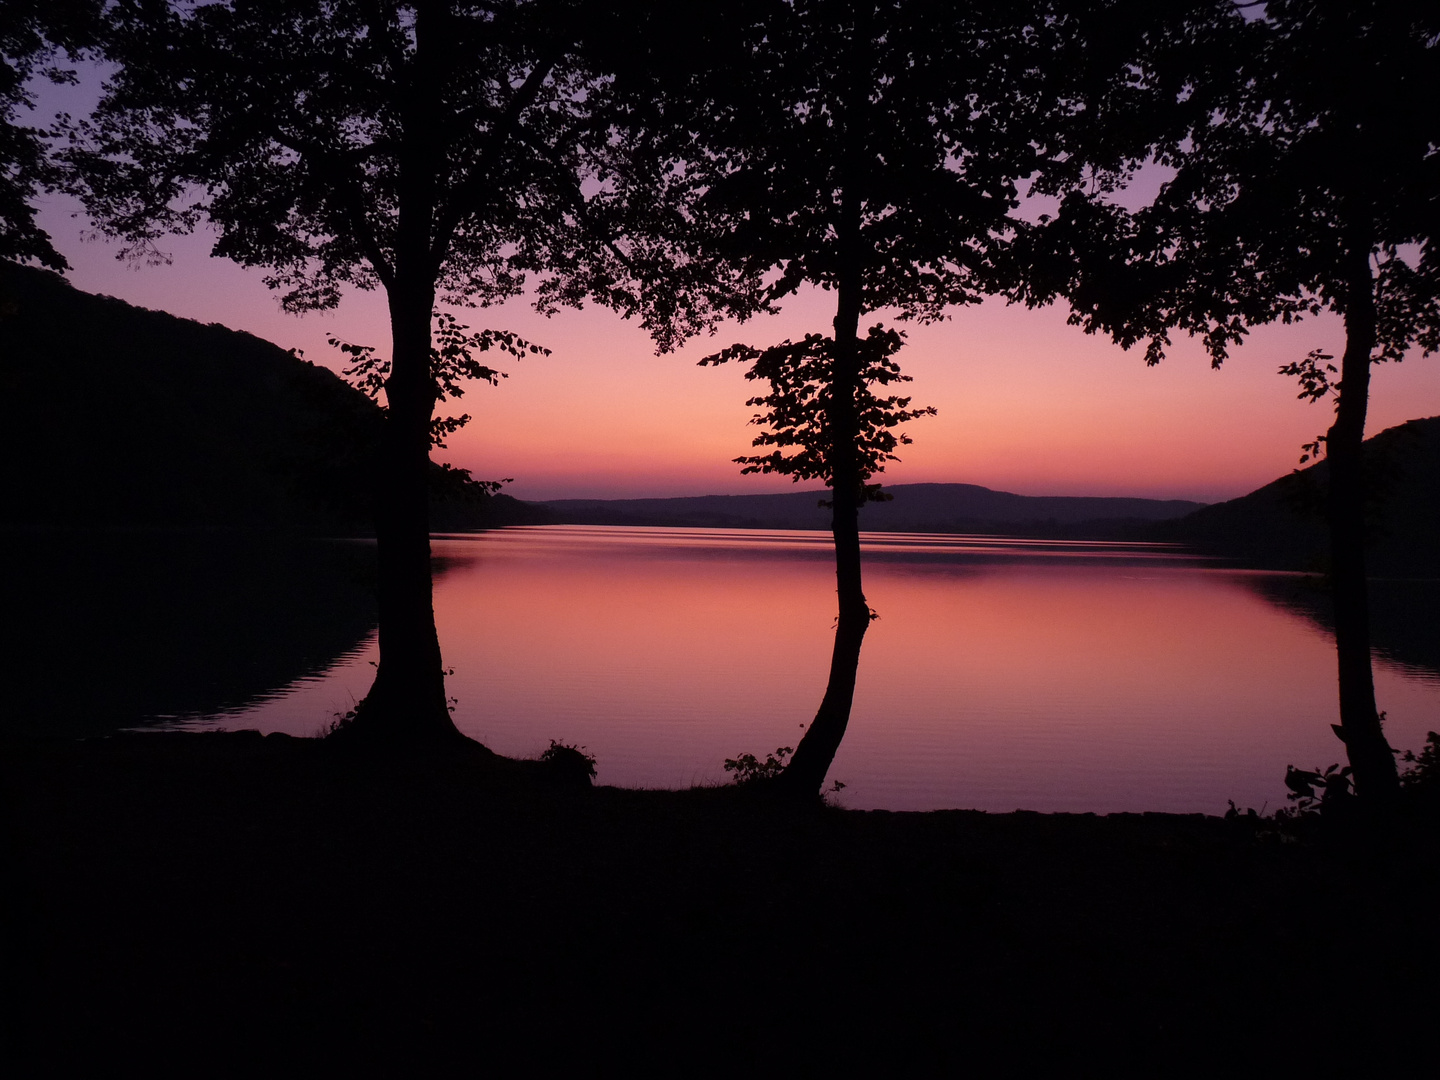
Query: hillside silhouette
point(1282, 526)
point(952, 508)
point(137, 418)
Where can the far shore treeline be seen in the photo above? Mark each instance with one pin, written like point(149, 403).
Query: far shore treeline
point(687, 165)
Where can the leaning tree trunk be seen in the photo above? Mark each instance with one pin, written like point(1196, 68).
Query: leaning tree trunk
point(406, 703)
point(813, 757)
point(1371, 759)
point(806, 771)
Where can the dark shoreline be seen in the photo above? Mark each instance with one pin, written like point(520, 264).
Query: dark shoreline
point(248, 898)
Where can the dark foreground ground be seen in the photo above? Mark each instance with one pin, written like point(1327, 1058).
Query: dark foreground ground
point(216, 901)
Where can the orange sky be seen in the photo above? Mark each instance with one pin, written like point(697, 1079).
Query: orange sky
point(1026, 403)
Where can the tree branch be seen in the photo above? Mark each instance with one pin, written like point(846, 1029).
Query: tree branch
point(461, 200)
point(349, 191)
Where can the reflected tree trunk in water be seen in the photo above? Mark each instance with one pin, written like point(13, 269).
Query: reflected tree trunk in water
point(1371, 758)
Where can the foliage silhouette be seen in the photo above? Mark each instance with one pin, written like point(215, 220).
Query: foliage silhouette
point(438, 150)
point(452, 361)
point(1318, 790)
point(748, 769)
point(33, 35)
point(567, 764)
point(874, 151)
point(1420, 780)
point(1425, 766)
point(1304, 181)
point(802, 381)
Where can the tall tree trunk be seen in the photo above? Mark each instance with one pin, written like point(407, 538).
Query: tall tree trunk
point(806, 772)
point(407, 702)
point(813, 757)
point(1371, 758)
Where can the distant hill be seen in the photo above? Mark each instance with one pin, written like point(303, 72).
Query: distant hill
point(963, 508)
point(1281, 525)
point(123, 417)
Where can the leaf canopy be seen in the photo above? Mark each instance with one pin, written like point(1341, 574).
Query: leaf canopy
point(802, 382)
point(1295, 137)
point(918, 120)
point(33, 35)
point(345, 143)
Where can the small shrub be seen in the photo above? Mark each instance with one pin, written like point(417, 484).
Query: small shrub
point(337, 724)
point(1424, 770)
point(570, 764)
point(1420, 782)
point(748, 769)
point(1317, 791)
point(1250, 814)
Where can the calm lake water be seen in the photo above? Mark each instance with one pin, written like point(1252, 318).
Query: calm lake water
point(1000, 674)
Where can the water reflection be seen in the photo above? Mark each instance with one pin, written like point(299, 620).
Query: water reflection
point(1049, 675)
point(131, 628)
point(1404, 616)
point(1042, 674)
point(761, 543)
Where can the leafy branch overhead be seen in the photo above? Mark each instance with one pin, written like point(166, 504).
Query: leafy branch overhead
point(299, 129)
point(802, 379)
point(1313, 374)
point(34, 37)
point(451, 152)
point(452, 361)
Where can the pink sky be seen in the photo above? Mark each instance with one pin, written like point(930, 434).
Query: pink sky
point(1026, 403)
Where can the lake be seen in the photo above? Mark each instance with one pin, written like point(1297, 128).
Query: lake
point(1001, 674)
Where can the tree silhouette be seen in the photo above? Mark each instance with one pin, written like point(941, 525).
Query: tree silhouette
point(452, 363)
point(1305, 180)
point(438, 150)
point(802, 382)
point(33, 33)
point(873, 150)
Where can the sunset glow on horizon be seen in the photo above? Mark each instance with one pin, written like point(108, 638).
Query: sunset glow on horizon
point(1026, 403)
